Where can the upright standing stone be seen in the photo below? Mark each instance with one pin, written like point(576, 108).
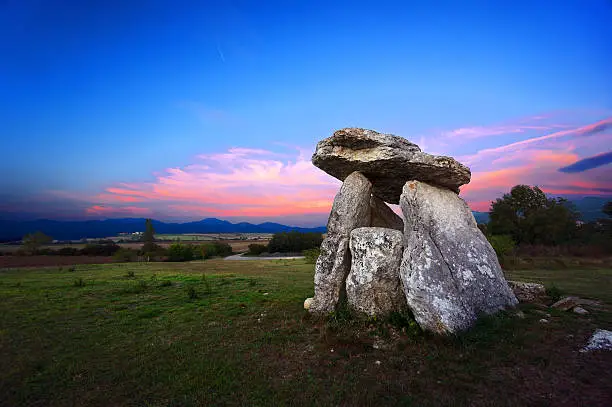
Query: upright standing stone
point(383, 216)
point(373, 285)
point(351, 209)
point(450, 272)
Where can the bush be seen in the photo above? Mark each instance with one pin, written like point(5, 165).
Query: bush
point(257, 249)
point(502, 244)
point(554, 292)
point(152, 250)
point(79, 282)
point(191, 292)
point(180, 252)
point(312, 255)
point(68, 251)
point(108, 249)
point(295, 242)
point(125, 255)
point(213, 249)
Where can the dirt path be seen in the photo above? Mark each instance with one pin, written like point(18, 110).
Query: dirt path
point(241, 257)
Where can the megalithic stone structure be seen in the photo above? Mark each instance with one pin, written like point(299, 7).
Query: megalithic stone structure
point(443, 268)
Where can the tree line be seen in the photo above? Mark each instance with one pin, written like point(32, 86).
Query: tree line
point(526, 217)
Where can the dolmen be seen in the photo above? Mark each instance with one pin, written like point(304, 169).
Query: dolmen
point(435, 262)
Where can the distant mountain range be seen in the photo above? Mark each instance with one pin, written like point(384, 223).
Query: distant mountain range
point(589, 207)
point(74, 230)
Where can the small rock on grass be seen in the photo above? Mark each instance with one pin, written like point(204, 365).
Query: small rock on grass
point(580, 310)
point(308, 302)
point(566, 304)
point(544, 321)
point(601, 340)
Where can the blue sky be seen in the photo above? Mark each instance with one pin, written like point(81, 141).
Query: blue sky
point(107, 93)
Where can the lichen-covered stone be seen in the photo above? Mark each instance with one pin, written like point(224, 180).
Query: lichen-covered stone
point(350, 210)
point(449, 271)
point(383, 216)
point(388, 161)
point(373, 285)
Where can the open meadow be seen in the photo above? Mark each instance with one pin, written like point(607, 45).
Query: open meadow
point(216, 332)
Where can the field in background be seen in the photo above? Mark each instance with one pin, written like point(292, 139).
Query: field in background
point(231, 333)
point(238, 246)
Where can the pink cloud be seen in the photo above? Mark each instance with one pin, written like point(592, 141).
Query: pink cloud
point(536, 161)
point(244, 183)
point(238, 183)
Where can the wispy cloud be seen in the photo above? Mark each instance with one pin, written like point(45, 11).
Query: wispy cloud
point(478, 132)
point(583, 131)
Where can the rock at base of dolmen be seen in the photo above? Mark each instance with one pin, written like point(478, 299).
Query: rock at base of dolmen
point(388, 161)
point(350, 210)
point(373, 286)
point(383, 216)
point(528, 292)
point(449, 271)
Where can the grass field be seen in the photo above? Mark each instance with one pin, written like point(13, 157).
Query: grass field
point(235, 333)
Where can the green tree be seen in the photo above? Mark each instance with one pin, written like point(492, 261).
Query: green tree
point(33, 241)
point(528, 216)
point(148, 237)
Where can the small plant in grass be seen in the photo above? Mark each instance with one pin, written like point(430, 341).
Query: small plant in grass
point(165, 283)
point(130, 274)
point(79, 282)
point(207, 286)
point(192, 294)
point(72, 269)
point(554, 292)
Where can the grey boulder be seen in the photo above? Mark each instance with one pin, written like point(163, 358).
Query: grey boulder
point(383, 217)
point(388, 161)
point(373, 286)
point(350, 210)
point(449, 271)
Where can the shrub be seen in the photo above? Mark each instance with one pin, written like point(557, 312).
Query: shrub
point(68, 251)
point(107, 249)
point(502, 244)
point(152, 250)
point(79, 282)
point(208, 250)
point(554, 292)
point(294, 241)
point(192, 294)
point(257, 249)
point(311, 255)
point(207, 286)
point(180, 252)
point(125, 255)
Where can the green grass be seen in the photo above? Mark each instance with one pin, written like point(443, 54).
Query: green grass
point(235, 333)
